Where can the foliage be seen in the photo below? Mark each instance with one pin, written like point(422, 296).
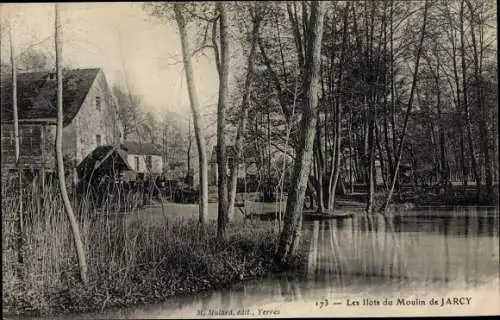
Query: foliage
point(129, 112)
point(165, 131)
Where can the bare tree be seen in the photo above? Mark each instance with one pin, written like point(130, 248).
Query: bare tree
point(256, 19)
point(127, 110)
point(465, 94)
point(408, 111)
point(477, 24)
point(195, 109)
point(222, 62)
point(335, 173)
point(16, 144)
point(304, 153)
point(34, 60)
point(60, 164)
point(188, 153)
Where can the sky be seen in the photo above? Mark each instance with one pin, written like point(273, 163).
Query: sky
point(121, 39)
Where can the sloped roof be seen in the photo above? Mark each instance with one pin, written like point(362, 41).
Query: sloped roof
point(136, 147)
point(102, 159)
point(37, 94)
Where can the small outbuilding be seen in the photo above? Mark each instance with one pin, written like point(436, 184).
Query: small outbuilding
point(104, 161)
point(144, 158)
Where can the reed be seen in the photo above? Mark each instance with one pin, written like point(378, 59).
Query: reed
point(130, 261)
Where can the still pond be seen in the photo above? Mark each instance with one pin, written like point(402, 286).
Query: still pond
point(434, 261)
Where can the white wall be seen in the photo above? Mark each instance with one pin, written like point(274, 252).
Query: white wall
point(157, 164)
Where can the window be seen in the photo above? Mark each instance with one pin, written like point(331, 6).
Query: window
point(98, 139)
point(149, 162)
point(36, 138)
point(137, 163)
point(30, 142)
point(7, 140)
point(25, 138)
point(98, 103)
point(7, 136)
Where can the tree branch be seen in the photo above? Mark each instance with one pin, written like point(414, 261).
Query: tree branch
point(199, 49)
point(195, 15)
point(275, 78)
point(215, 46)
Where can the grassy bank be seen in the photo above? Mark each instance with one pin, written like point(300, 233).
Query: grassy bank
point(128, 263)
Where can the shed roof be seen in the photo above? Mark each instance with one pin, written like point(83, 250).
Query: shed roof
point(103, 159)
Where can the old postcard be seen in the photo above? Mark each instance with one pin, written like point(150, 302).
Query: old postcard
point(169, 160)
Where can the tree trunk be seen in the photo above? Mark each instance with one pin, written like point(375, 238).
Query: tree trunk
point(320, 168)
point(338, 111)
point(388, 91)
point(371, 159)
point(223, 70)
point(386, 143)
point(292, 16)
point(60, 164)
point(483, 130)
point(195, 110)
point(351, 162)
point(164, 148)
point(243, 116)
point(269, 192)
point(463, 165)
point(465, 100)
point(190, 142)
point(407, 115)
point(442, 141)
point(336, 173)
point(381, 157)
point(20, 218)
point(293, 216)
point(366, 149)
point(393, 94)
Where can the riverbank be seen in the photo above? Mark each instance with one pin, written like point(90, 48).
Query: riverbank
point(141, 257)
point(454, 251)
point(132, 259)
point(176, 259)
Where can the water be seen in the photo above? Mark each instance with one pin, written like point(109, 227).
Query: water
point(419, 256)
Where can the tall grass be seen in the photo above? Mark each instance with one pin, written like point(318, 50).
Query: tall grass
point(129, 261)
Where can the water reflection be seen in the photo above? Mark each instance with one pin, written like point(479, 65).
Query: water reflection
point(362, 254)
point(463, 246)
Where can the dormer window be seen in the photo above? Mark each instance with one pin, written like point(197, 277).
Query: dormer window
point(98, 103)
